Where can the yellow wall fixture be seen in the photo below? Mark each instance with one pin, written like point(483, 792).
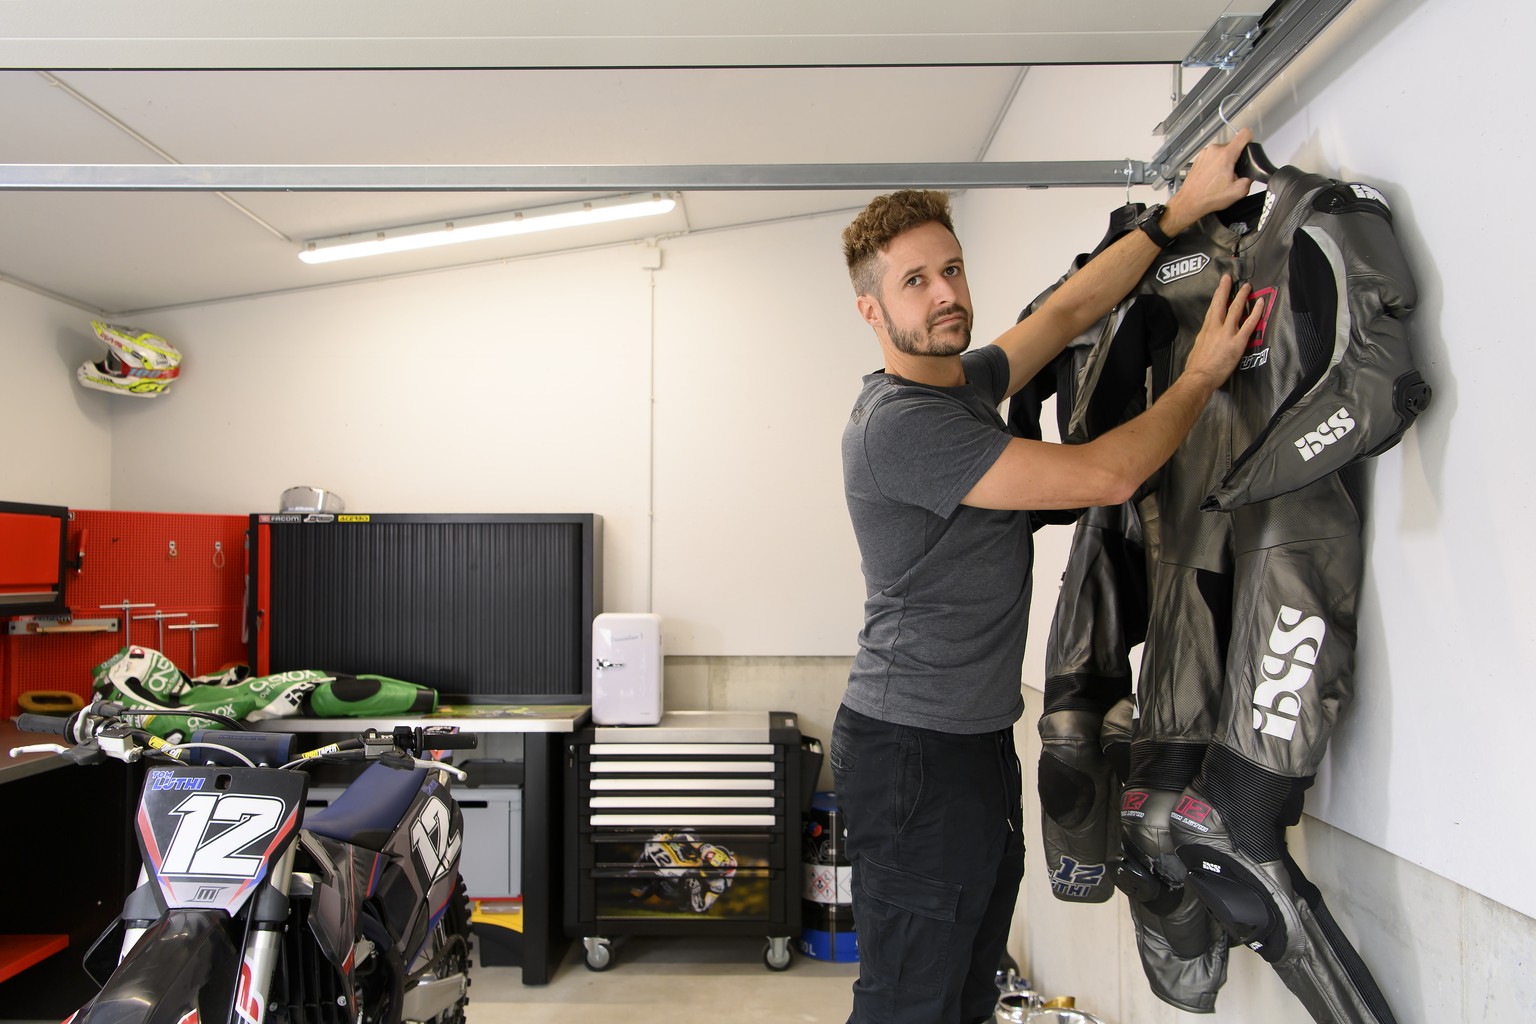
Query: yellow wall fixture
point(492, 225)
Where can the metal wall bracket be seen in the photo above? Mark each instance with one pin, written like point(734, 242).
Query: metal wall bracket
point(1283, 32)
point(1226, 43)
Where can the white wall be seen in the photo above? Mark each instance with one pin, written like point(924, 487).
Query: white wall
point(503, 388)
point(57, 435)
point(759, 355)
point(528, 386)
point(1414, 823)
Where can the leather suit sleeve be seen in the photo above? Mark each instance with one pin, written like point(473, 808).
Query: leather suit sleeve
point(1060, 376)
point(1116, 381)
point(1349, 289)
point(1054, 378)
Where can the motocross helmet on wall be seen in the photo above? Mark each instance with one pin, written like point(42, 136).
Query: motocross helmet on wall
point(139, 363)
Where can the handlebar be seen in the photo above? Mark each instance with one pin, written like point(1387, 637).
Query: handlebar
point(52, 724)
point(420, 739)
point(104, 728)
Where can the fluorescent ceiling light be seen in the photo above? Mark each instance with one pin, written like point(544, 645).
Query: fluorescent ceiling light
point(476, 229)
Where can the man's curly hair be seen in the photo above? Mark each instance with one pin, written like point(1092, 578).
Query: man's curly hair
point(882, 220)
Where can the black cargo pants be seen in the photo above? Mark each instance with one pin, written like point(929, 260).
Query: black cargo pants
point(936, 840)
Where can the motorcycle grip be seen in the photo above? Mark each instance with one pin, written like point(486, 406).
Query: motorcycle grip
point(450, 741)
point(30, 722)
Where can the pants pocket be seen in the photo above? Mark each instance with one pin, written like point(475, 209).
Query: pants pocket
point(839, 751)
point(906, 926)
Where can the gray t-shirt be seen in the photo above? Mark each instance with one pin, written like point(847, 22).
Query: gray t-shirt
point(948, 585)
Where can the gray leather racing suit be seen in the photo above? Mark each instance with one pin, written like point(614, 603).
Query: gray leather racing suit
point(1252, 587)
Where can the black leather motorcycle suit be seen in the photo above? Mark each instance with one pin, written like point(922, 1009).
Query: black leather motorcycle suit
point(1100, 616)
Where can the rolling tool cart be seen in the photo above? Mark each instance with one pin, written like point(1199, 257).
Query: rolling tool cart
point(687, 827)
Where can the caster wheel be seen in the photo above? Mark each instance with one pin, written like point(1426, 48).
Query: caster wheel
point(599, 954)
point(776, 955)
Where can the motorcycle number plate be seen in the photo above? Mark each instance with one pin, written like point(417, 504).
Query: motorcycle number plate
point(209, 835)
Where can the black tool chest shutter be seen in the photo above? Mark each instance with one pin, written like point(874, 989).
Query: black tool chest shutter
point(486, 609)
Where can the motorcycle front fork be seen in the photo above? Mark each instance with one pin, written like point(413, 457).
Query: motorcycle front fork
point(259, 959)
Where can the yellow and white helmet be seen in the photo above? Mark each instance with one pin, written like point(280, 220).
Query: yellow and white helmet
point(139, 363)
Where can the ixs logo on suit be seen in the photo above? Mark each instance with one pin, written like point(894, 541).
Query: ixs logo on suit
point(1330, 430)
point(1295, 644)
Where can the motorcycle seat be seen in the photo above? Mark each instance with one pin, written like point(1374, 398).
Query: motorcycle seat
point(367, 812)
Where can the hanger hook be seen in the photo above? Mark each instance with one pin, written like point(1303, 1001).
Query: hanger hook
point(1221, 111)
point(1127, 182)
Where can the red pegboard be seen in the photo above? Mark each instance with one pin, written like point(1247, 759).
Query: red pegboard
point(188, 565)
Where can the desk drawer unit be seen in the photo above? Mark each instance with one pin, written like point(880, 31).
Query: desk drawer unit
point(687, 827)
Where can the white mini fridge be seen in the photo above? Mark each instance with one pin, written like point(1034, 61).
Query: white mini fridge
point(626, 668)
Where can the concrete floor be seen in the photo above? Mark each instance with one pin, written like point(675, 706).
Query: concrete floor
point(691, 979)
point(697, 979)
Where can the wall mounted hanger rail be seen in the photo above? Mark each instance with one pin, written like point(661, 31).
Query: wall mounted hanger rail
point(557, 178)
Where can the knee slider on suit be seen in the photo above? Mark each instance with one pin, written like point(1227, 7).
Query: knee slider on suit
point(1183, 949)
point(1079, 807)
point(1084, 756)
point(1237, 897)
point(1073, 771)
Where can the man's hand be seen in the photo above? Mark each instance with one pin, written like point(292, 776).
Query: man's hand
point(1086, 296)
point(1224, 335)
point(1211, 184)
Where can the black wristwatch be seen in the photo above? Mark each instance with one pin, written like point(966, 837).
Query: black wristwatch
point(1148, 222)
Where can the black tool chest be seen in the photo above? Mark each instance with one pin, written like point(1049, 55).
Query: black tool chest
point(687, 827)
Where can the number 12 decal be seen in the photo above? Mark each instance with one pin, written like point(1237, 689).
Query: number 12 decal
point(434, 840)
point(193, 851)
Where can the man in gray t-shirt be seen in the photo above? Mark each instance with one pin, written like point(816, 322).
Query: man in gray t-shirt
point(947, 584)
point(922, 749)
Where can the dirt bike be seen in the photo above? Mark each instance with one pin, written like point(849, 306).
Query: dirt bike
point(250, 911)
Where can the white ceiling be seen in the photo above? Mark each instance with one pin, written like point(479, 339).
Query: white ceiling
point(476, 82)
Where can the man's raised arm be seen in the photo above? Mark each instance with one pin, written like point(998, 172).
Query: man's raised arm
point(1092, 292)
point(1107, 470)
